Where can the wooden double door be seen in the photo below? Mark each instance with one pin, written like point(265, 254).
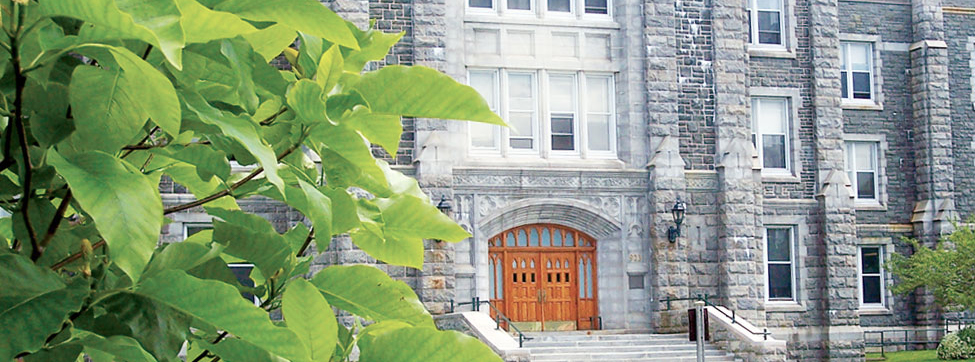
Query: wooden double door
point(544, 273)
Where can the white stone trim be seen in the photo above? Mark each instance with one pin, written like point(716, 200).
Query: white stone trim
point(882, 148)
point(877, 45)
point(795, 144)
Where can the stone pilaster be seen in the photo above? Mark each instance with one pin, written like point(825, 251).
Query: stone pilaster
point(670, 268)
point(356, 11)
point(932, 136)
point(435, 156)
point(740, 256)
point(842, 335)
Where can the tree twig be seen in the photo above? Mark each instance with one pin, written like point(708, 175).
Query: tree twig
point(20, 82)
point(311, 236)
point(56, 222)
point(267, 121)
point(142, 142)
point(75, 256)
point(233, 187)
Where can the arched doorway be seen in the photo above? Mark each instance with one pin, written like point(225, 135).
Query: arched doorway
point(543, 276)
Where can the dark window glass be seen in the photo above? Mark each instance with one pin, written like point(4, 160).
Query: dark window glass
point(773, 151)
point(558, 5)
point(871, 289)
point(865, 189)
point(861, 85)
point(480, 3)
point(193, 229)
point(520, 4)
point(636, 281)
point(243, 274)
point(521, 143)
point(780, 281)
point(562, 137)
point(870, 259)
point(778, 245)
point(843, 86)
point(597, 7)
point(769, 30)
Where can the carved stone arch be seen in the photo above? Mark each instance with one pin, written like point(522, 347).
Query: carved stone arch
point(575, 214)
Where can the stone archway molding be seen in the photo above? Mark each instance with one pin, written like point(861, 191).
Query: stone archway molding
point(572, 213)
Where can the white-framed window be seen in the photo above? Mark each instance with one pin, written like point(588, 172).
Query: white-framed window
point(780, 270)
point(766, 23)
point(566, 114)
point(862, 168)
point(771, 130)
point(856, 77)
point(555, 8)
point(243, 273)
point(871, 276)
point(192, 228)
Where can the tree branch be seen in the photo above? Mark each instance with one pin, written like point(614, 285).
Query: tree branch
point(56, 222)
point(311, 236)
point(267, 121)
point(75, 256)
point(141, 143)
point(20, 81)
point(233, 187)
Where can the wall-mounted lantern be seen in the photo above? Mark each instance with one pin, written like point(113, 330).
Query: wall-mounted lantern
point(444, 205)
point(678, 212)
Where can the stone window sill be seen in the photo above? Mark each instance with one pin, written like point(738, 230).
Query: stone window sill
point(773, 52)
point(870, 206)
point(551, 163)
point(779, 178)
point(875, 311)
point(784, 307)
point(862, 106)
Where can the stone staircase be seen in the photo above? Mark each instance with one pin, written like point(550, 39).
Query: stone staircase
point(617, 346)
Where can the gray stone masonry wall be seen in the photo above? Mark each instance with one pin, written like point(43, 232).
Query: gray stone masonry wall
point(696, 82)
point(960, 36)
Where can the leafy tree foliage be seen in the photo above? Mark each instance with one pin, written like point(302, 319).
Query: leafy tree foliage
point(102, 98)
point(947, 271)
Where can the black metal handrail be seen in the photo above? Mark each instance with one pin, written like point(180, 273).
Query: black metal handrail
point(475, 304)
point(959, 323)
point(734, 320)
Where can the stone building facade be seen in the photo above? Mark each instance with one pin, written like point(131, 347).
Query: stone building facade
point(806, 137)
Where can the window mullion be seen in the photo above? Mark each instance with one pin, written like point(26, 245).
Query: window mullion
point(505, 106)
point(582, 119)
point(544, 124)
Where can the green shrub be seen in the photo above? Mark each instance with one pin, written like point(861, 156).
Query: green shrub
point(958, 345)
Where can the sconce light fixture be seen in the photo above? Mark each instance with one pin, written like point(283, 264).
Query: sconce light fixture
point(678, 212)
point(444, 205)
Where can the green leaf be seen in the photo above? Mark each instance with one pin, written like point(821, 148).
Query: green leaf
point(33, 307)
point(207, 160)
point(112, 116)
point(124, 204)
point(424, 345)
point(182, 256)
point(250, 237)
point(236, 350)
point(310, 317)
point(240, 128)
point(348, 160)
point(122, 347)
point(220, 305)
point(107, 14)
point(316, 207)
point(344, 216)
point(162, 18)
point(330, 68)
point(373, 45)
point(159, 328)
point(62, 353)
point(309, 52)
point(382, 129)
point(203, 25)
point(369, 293)
point(412, 218)
point(188, 176)
point(307, 16)
point(306, 99)
point(423, 92)
point(270, 41)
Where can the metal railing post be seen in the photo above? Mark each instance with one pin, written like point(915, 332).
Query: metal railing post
point(699, 326)
point(476, 304)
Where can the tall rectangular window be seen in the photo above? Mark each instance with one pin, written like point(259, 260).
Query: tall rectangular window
point(599, 112)
point(562, 112)
point(765, 25)
point(564, 6)
point(856, 75)
point(485, 4)
point(597, 7)
point(519, 5)
point(861, 168)
point(485, 82)
point(521, 110)
point(871, 276)
point(779, 263)
point(770, 132)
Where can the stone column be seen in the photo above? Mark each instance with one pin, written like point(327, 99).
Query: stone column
point(434, 156)
point(670, 268)
point(356, 11)
point(932, 136)
point(842, 334)
point(741, 268)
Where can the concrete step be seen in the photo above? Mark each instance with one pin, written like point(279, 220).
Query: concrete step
point(623, 356)
point(610, 346)
point(629, 348)
point(565, 344)
point(604, 337)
